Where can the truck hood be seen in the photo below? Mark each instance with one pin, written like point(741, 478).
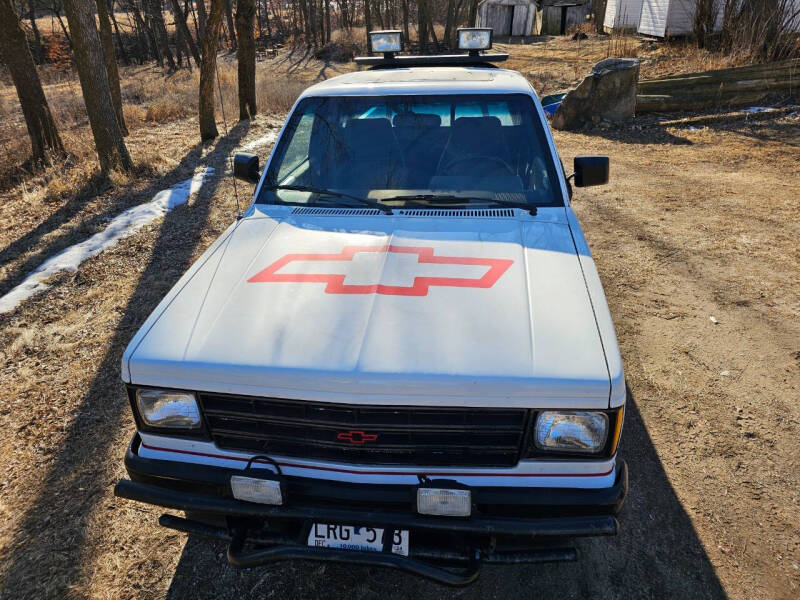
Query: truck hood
point(382, 309)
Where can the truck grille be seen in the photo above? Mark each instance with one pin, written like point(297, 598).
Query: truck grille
point(372, 435)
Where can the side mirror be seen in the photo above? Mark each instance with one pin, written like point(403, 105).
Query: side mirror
point(245, 167)
point(591, 170)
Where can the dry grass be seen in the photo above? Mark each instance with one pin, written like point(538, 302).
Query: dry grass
point(150, 96)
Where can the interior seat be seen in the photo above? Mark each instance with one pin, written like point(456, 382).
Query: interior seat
point(475, 137)
point(374, 159)
point(421, 138)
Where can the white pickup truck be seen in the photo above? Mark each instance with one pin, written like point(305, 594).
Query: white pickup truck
point(401, 353)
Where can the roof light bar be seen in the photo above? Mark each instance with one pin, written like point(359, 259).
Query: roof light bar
point(387, 42)
point(474, 38)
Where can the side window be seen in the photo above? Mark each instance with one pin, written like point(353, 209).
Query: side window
point(297, 150)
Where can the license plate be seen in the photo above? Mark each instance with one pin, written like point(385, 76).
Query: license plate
point(350, 537)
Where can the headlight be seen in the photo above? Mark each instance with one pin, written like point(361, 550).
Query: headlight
point(163, 408)
point(571, 431)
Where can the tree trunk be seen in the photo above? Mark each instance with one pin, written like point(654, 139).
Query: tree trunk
point(231, 26)
point(122, 53)
point(405, 22)
point(57, 12)
point(183, 29)
point(146, 29)
point(327, 20)
point(108, 141)
point(157, 20)
point(38, 51)
point(599, 9)
point(422, 26)
point(472, 21)
point(449, 30)
point(110, 59)
point(246, 57)
point(208, 124)
point(202, 16)
point(367, 20)
point(17, 56)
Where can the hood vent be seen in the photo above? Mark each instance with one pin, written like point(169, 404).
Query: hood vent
point(480, 213)
point(337, 212)
point(475, 213)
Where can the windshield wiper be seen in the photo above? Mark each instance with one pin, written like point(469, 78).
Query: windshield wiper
point(323, 192)
point(452, 199)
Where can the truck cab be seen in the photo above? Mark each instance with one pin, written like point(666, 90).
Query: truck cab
point(401, 353)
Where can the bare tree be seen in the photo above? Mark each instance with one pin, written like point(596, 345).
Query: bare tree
point(122, 53)
point(202, 17)
point(153, 11)
point(39, 53)
point(208, 66)
point(55, 8)
point(246, 57)
point(231, 26)
point(183, 28)
point(108, 141)
point(110, 59)
point(705, 18)
point(17, 56)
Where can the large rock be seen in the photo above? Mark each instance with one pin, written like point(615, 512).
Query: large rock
point(607, 94)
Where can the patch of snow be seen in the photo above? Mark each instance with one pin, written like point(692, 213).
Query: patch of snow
point(265, 139)
point(756, 109)
point(123, 225)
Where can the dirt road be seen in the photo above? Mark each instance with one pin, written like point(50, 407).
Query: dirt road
point(695, 224)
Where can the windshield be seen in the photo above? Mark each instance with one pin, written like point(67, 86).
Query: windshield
point(459, 149)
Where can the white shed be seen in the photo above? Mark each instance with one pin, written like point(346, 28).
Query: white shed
point(622, 15)
point(664, 18)
point(508, 17)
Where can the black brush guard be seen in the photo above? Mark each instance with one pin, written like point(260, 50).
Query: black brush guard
point(203, 493)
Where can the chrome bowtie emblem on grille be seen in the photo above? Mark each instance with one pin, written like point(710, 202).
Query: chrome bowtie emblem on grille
point(427, 271)
point(356, 437)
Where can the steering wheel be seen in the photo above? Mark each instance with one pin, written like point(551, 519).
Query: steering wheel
point(477, 158)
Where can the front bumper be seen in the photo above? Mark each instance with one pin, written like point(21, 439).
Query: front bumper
point(507, 525)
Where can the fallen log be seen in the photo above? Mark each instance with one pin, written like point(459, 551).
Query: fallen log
point(722, 87)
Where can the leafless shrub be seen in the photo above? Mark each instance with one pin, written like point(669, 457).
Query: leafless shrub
point(761, 30)
point(622, 44)
point(705, 20)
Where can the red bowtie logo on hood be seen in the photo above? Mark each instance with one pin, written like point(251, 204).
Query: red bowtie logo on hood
point(495, 267)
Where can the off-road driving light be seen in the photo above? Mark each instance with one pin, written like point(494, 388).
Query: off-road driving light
point(164, 408)
point(571, 431)
point(474, 39)
point(386, 41)
point(444, 502)
point(251, 489)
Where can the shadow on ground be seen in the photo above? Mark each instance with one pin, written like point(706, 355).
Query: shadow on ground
point(657, 554)
point(46, 558)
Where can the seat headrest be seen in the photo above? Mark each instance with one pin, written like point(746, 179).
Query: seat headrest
point(370, 138)
point(417, 120)
point(472, 133)
point(476, 124)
